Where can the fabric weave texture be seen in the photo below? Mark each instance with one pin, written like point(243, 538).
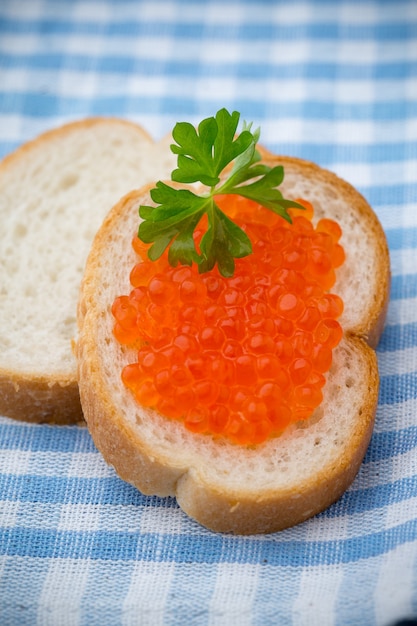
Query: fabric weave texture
point(332, 82)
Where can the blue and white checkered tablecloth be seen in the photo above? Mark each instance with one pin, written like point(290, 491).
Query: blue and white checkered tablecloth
point(330, 81)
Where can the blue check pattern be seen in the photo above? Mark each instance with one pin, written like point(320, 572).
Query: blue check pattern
point(333, 82)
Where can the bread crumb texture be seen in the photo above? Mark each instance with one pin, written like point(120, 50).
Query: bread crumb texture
point(55, 193)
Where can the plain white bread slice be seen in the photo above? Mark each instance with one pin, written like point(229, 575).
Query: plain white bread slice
point(223, 486)
point(54, 193)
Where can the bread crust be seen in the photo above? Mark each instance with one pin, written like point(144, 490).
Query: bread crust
point(233, 506)
point(62, 131)
point(28, 395)
point(40, 399)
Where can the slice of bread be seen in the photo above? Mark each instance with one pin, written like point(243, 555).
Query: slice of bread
point(223, 486)
point(55, 192)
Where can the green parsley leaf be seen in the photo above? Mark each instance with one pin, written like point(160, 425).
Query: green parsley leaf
point(203, 155)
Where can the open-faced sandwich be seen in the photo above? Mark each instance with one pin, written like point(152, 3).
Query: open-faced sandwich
point(226, 348)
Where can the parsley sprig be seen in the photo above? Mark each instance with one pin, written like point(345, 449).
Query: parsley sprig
point(203, 155)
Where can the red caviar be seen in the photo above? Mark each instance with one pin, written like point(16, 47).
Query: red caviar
point(241, 357)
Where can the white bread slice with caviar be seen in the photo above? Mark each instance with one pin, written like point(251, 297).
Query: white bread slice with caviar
point(54, 193)
point(227, 487)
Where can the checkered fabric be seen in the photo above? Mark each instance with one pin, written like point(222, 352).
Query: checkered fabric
point(331, 81)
